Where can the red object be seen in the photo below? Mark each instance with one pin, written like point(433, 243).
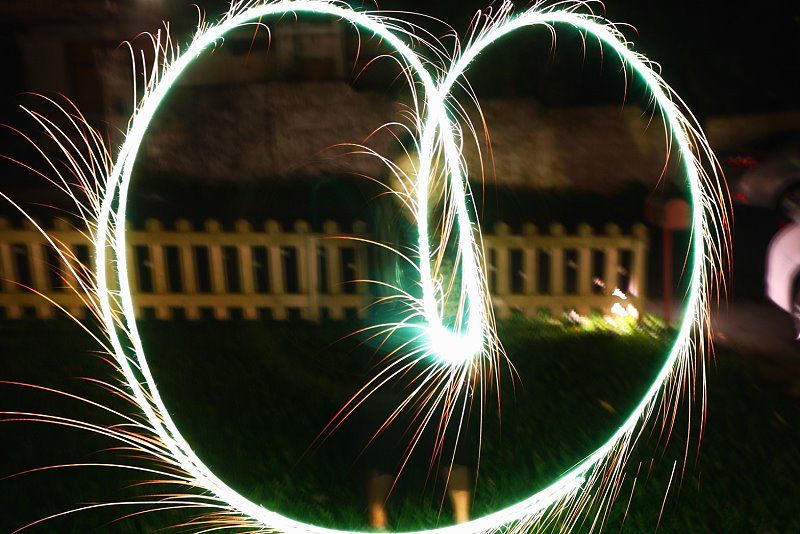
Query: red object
point(743, 162)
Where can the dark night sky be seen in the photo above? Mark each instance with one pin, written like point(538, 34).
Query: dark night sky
point(720, 56)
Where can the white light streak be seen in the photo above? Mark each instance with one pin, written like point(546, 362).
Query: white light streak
point(460, 353)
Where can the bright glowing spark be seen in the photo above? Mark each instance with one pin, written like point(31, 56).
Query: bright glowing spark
point(462, 354)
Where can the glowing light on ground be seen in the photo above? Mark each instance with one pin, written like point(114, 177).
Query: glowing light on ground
point(452, 358)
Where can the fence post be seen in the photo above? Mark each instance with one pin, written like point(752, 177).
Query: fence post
point(360, 230)
point(212, 226)
point(246, 269)
point(638, 278)
point(530, 271)
point(277, 280)
point(157, 263)
point(584, 265)
point(6, 264)
point(32, 248)
point(334, 264)
point(502, 269)
point(307, 266)
point(188, 269)
point(67, 267)
point(556, 263)
point(501, 230)
point(5, 270)
point(44, 310)
point(7, 273)
point(611, 255)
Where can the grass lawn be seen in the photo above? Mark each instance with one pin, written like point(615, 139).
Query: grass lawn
point(251, 397)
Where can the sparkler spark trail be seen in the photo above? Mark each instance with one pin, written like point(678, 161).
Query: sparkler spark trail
point(457, 353)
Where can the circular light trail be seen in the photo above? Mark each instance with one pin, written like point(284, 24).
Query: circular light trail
point(454, 347)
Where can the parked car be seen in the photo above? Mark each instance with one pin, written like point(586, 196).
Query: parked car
point(783, 271)
point(766, 173)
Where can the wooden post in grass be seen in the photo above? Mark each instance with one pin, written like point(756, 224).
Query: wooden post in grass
point(670, 214)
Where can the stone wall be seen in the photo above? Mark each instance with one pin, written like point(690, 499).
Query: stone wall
point(594, 148)
point(256, 130)
point(734, 131)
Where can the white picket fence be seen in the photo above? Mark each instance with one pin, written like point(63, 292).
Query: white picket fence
point(270, 272)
